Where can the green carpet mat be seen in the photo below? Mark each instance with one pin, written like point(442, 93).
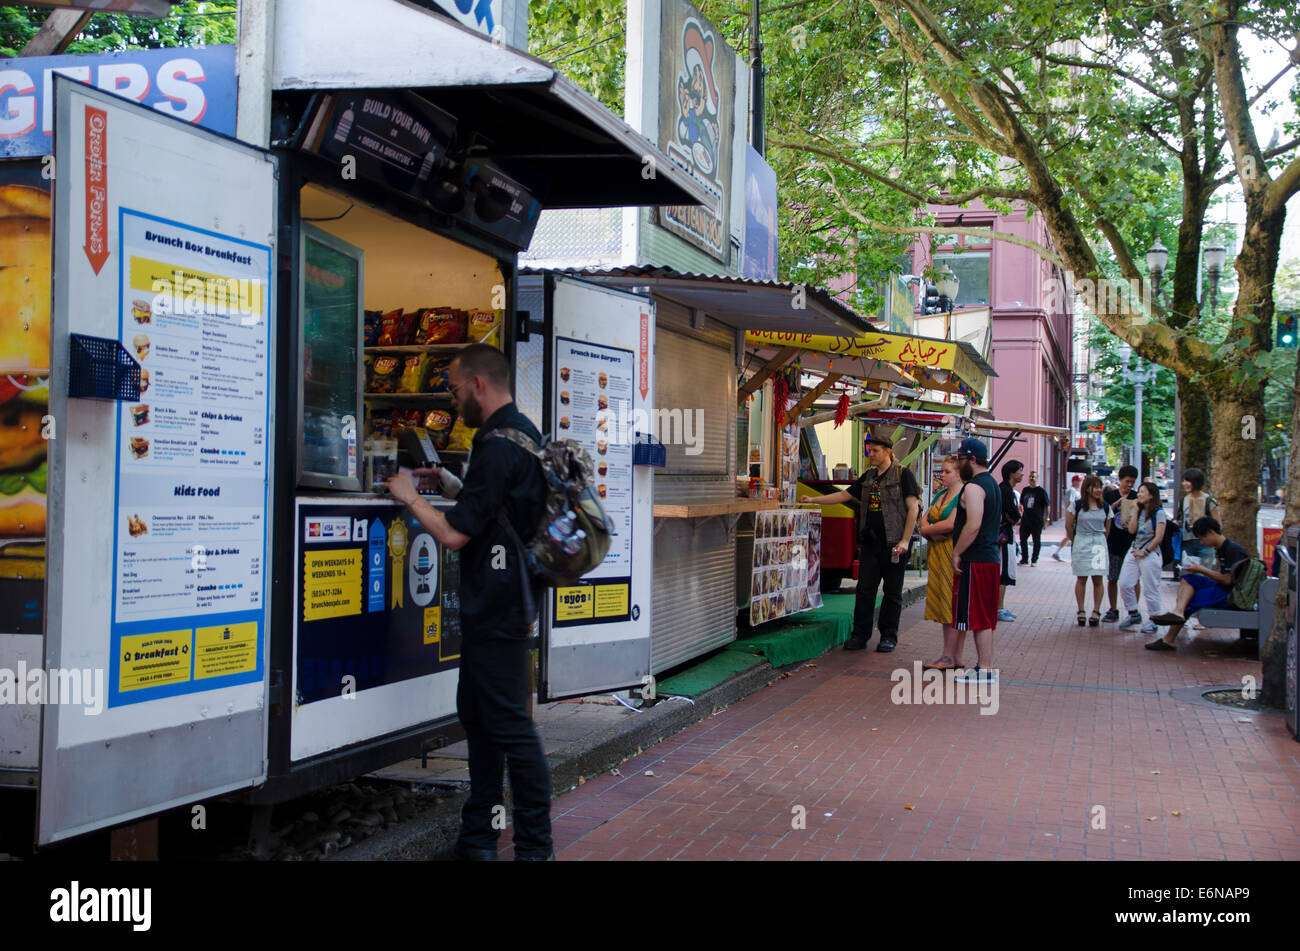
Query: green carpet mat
point(803, 636)
point(707, 674)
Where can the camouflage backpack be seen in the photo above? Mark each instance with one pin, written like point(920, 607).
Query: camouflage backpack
point(557, 554)
point(1246, 580)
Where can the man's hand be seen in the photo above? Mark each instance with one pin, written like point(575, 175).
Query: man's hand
point(1194, 568)
point(956, 564)
point(402, 486)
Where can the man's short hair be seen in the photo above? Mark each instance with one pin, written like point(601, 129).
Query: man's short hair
point(1011, 468)
point(479, 359)
point(1196, 478)
point(1205, 526)
point(1127, 471)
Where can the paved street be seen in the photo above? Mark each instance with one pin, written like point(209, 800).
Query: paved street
point(1086, 719)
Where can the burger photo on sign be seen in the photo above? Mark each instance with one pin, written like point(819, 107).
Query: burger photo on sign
point(24, 357)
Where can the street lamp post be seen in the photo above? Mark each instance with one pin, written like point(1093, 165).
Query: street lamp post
point(947, 285)
point(1139, 376)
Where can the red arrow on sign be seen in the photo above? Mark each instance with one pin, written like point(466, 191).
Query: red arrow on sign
point(645, 355)
point(96, 246)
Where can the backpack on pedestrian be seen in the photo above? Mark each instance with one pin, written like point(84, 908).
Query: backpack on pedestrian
point(1246, 581)
point(574, 533)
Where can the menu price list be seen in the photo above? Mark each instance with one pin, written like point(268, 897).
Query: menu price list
point(190, 519)
point(593, 384)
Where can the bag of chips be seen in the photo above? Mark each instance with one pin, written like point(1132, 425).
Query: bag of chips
point(385, 374)
point(393, 329)
point(379, 423)
point(462, 437)
point(482, 323)
point(415, 370)
point(440, 325)
point(373, 320)
point(406, 418)
point(439, 376)
point(438, 422)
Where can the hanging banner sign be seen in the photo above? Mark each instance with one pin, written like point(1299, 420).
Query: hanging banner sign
point(194, 85)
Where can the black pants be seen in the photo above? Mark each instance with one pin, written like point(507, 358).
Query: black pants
point(492, 703)
point(875, 566)
point(1027, 532)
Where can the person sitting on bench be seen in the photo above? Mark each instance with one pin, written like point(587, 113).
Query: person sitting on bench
point(1200, 587)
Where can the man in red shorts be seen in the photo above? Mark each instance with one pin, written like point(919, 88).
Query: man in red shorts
point(976, 562)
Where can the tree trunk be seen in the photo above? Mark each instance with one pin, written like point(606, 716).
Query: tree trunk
point(1195, 414)
point(1235, 447)
point(1273, 655)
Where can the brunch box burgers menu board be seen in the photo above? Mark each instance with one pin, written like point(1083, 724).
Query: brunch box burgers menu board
point(786, 576)
point(594, 407)
point(190, 534)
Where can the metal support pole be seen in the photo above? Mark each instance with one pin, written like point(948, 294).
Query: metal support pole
point(756, 82)
point(1137, 424)
point(253, 60)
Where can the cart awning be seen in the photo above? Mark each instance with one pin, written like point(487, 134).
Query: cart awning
point(584, 155)
point(741, 303)
point(949, 365)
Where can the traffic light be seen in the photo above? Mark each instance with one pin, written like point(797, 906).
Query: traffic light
point(1286, 327)
point(930, 303)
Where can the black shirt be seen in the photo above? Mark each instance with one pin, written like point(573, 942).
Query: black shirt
point(1034, 500)
point(868, 493)
point(1230, 553)
point(1010, 513)
point(1117, 540)
point(501, 475)
point(985, 546)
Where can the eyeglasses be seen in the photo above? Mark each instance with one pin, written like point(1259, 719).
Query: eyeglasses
point(457, 386)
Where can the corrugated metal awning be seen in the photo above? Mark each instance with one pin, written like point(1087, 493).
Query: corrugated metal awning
point(739, 302)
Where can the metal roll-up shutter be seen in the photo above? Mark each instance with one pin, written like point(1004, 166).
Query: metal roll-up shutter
point(694, 589)
point(695, 402)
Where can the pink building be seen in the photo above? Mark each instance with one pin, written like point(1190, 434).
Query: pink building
point(1029, 305)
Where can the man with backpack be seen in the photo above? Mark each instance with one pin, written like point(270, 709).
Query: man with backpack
point(1234, 585)
point(492, 696)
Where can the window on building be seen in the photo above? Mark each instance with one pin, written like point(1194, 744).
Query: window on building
point(972, 270)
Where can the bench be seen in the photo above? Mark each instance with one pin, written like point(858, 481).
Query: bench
point(1250, 623)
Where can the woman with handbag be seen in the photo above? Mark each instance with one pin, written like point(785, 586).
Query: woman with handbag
point(937, 524)
point(1085, 531)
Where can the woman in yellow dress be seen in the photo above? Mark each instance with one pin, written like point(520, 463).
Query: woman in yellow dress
point(936, 526)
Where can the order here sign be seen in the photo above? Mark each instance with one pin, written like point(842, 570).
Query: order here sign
point(196, 85)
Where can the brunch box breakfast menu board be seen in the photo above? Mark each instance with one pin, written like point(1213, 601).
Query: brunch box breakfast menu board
point(190, 532)
point(785, 566)
point(594, 407)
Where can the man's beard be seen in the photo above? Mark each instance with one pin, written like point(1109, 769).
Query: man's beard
point(472, 411)
point(967, 470)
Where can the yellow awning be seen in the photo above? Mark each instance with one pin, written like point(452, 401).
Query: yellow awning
point(952, 366)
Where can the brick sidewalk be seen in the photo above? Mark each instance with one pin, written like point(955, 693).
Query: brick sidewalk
point(1086, 718)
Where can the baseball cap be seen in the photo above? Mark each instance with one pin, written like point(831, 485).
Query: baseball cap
point(975, 449)
point(881, 441)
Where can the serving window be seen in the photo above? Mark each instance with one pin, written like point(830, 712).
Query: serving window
point(417, 298)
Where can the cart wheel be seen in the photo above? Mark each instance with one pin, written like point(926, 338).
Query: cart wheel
point(831, 581)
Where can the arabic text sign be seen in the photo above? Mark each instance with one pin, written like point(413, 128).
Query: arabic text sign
point(892, 348)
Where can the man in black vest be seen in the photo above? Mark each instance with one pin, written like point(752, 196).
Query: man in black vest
point(890, 505)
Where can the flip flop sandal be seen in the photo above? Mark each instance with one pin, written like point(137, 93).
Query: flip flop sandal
point(939, 665)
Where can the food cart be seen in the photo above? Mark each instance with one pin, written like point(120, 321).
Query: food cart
point(908, 371)
point(237, 332)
